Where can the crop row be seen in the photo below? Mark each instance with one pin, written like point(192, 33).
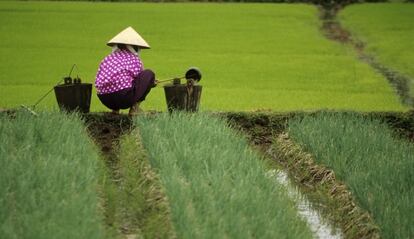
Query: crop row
point(49, 178)
point(196, 178)
point(217, 187)
point(51, 187)
point(366, 155)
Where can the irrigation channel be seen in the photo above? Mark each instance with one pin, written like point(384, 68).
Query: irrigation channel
point(333, 30)
point(312, 187)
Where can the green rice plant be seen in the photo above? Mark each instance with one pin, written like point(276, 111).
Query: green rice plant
point(363, 153)
point(252, 56)
point(48, 178)
point(216, 185)
point(388, 32)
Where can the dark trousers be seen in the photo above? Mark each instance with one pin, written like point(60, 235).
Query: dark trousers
point(125, 98)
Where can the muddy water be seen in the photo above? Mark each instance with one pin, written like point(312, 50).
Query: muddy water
point(319, 227)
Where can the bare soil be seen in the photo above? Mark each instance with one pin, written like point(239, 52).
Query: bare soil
point(106, 128)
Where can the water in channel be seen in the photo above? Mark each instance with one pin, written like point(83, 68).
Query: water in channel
point(319, 227)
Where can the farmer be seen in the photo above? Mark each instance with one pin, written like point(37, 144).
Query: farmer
point(121, 80)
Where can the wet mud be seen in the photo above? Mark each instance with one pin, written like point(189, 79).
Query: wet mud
point(105, 129)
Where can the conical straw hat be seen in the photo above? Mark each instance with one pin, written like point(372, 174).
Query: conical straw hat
point(130, 37)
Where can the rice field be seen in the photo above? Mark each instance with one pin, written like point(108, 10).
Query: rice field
point(253, 56)
point(387, 30)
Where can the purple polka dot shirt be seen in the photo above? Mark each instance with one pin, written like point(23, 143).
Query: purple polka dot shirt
point(117, 71)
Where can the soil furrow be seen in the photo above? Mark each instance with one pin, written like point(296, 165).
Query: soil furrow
point(106, 130)
point(134, 202)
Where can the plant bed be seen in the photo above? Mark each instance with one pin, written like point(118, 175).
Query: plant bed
point(317, 181)
point(331, 196)
point(217, 186)
point(365, 155)
point(49, 177)
point(128, 166)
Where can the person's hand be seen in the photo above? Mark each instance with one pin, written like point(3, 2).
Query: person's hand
point(155, 83)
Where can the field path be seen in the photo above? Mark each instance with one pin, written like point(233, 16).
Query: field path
point(106, 131)
point(333, 30)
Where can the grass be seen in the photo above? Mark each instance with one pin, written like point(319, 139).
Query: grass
point(48, 178)
point(253, 56)
point(215, 184)
point(388, 32)
point(364, 155)
point(136, 204)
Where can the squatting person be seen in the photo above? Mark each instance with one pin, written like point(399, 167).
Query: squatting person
point(121, 80)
